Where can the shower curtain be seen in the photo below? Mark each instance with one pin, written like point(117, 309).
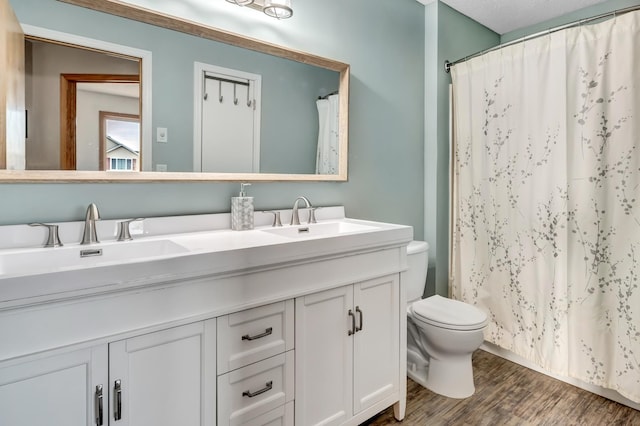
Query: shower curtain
point(546, 192)
point(327, 153)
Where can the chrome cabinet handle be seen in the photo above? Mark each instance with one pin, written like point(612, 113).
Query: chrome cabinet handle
point(117, 400)
point(268, 386)
point(266, 333)
point(98, 405)
point(353, 323)
point(359, 312)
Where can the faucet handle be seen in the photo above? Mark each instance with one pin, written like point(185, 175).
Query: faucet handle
point(124, 233)
point(312, 214)
point(53, 238)
point(276, 217)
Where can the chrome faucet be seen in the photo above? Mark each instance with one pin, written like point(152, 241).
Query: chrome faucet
point(295, 217)
point(89, 235)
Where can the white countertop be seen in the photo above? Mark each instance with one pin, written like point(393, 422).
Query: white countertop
point(175, 249)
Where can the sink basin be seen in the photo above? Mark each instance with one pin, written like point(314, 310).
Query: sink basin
point(317, 230)
point(29, 261)
point(224, 240)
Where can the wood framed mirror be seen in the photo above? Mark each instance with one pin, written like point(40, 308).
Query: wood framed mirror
point(341, 70)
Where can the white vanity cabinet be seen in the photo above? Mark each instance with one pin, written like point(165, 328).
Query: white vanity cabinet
point(164, 378)
point(53, 389)
point(271, 326)
point(347, 357)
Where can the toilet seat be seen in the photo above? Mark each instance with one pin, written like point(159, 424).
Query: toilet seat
point(446, 313)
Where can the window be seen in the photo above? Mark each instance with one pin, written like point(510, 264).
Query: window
point(122, 164)
point(120, 136)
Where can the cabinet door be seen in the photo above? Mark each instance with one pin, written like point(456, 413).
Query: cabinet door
point(54, 390)
point(164, 378)
point(324, 355)
point(376, 344)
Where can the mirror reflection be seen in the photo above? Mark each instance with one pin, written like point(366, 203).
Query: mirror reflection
point(119, 141)
point(169, 62)
point(66, 91)
point(266, 115)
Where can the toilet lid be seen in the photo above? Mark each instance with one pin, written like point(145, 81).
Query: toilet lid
point(449, 313)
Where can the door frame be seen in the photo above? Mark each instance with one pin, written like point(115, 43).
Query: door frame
point(68, 111)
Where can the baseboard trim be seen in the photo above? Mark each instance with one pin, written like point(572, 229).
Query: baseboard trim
point(598, 390)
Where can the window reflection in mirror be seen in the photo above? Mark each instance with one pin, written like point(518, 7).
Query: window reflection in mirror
point(119, 141)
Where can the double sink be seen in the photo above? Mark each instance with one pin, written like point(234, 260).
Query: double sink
point(172, 250)
point(75, 256)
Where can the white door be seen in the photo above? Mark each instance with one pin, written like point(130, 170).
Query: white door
point(165, 378)
point(226, 120)
point(55, 390)
point(376, 355)
point(324, 357)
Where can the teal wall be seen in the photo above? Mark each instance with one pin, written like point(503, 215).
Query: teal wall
point(449, 36)
point(384, 43)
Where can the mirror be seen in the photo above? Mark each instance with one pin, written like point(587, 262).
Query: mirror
point(68, 91)
point(180, 162)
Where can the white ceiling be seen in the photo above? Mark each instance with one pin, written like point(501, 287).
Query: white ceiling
point(503, 16)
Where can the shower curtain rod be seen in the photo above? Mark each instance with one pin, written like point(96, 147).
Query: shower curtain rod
point(448, 65)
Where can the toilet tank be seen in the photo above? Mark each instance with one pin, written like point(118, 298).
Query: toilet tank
point(418, 262)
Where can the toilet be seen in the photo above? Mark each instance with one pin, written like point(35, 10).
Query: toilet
point(441, 333)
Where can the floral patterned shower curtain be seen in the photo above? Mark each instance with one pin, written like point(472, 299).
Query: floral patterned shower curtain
point(546, 199)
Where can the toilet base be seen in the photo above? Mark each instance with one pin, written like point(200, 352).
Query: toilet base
point(417, 366)
point(452, 378)
point(418, 375)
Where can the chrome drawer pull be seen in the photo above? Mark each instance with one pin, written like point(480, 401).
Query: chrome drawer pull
point(267, 388)
point(266, 333)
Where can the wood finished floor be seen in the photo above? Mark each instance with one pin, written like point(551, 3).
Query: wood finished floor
point(508, 394)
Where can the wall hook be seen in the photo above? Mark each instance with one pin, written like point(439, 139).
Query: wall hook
point(220, 97)
point(235, 97)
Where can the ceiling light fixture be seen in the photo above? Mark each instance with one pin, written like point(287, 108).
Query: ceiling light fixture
point(279, 9)
point(241, 2)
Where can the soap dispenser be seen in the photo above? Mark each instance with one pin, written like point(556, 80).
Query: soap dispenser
point(242, 210)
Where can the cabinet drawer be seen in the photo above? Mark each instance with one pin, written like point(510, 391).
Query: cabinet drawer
point(281, 416)
point(253, 335)
point(257, 389)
